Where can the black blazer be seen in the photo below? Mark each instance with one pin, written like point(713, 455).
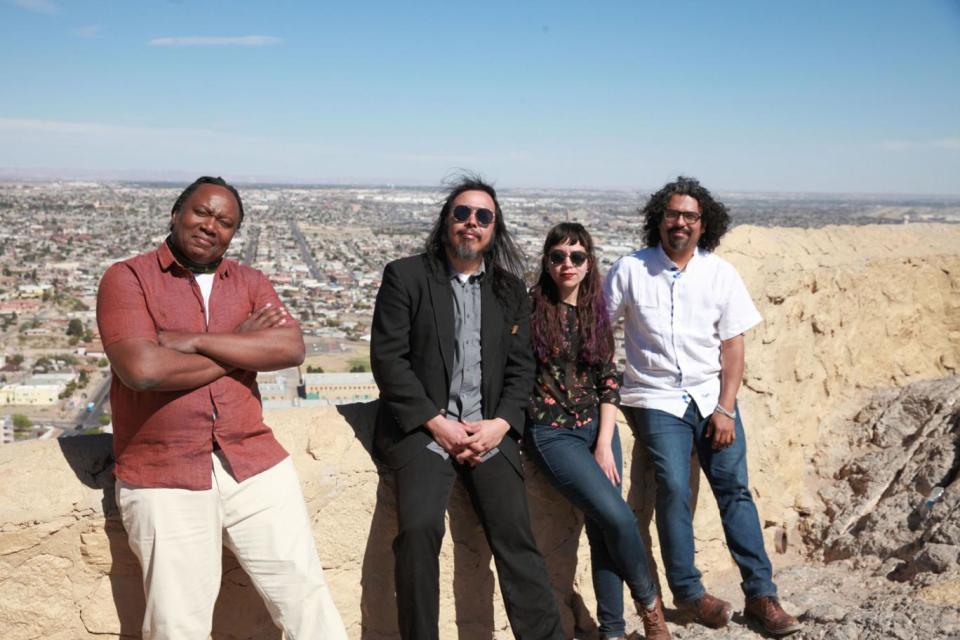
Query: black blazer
point(411, 353)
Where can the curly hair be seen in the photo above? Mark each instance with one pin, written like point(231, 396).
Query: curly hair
point(546, 318)
point(714, 217)
point(503, 257)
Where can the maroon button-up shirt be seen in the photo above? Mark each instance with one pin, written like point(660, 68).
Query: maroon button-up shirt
point(165, 438)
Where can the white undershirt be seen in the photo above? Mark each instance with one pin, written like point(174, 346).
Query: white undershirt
point(205, 282)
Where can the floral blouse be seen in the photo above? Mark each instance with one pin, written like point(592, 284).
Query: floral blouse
point(568, 392)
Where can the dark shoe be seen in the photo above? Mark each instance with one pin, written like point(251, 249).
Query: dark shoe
point(771, 616)
point(709, 611)
point(654, 624)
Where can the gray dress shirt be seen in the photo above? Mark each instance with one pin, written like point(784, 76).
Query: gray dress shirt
point(465, 402)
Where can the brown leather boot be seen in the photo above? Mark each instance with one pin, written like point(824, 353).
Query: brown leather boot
point(771, 616)
point(709, 611)
point(654, 624)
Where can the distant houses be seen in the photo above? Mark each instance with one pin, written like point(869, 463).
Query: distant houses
point(340, 388)
point(38, 390)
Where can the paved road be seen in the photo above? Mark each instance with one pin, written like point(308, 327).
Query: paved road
point(86, 419)
point(305, 250)
point(251, 246)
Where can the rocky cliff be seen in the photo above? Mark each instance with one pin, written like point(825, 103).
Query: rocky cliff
point(852, 315)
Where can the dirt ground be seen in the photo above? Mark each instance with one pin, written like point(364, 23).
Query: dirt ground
point(340, 361)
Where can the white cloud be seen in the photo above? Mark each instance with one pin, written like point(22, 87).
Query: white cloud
point(114, 132)
point(947, 143)
point(912, 145)
point(214, 41)
point(37, 6)
point(897, 145)
point(89, 31)
point(96, 145)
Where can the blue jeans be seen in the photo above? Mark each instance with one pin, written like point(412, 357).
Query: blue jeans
point(617, 554)
point(669, 441)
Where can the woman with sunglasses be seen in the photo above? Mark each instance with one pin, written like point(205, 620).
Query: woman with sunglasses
point(572, 431)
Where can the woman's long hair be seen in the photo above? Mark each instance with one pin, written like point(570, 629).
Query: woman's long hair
point(546, 320)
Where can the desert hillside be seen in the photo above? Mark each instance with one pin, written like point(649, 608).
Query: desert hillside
point(852, 416)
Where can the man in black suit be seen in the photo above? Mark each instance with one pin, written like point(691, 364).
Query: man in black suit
point(451, 354)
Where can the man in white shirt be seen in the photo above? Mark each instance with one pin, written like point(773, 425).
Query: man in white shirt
point(685, 311)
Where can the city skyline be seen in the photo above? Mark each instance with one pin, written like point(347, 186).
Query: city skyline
point(853, 98)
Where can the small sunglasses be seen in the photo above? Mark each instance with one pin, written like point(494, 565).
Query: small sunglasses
point(461, 213)
point(558, 257)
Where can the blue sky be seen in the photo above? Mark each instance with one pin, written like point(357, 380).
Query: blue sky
point(853, 97)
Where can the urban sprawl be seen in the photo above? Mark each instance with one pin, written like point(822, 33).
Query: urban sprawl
point(323, 248)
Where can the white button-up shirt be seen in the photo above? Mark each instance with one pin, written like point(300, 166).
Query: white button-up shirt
point(674, 322)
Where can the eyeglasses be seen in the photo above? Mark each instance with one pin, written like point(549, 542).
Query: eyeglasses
point(690, 217)
point(558, 257)
point(461, 213)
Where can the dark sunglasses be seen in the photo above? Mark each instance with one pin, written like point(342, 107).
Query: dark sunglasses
point(461, 213)
point(558, 257)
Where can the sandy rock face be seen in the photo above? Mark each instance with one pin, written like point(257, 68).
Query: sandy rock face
point(893, 559)
point(895, 498)
point(848, 311)
point(879, 563)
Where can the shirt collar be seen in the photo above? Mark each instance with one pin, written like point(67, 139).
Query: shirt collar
point(668, 264)
point(166, 260)
point(468, 277)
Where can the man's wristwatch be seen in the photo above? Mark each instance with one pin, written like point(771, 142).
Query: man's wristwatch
point(730, 414)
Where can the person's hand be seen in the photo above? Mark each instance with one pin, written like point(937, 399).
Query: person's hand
point(178, 341)
point(603, 454)
point(484, 436)
point(449, 434)
point(720, 429)
point(266, 317)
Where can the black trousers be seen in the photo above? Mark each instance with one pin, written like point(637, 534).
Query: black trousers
point(500, 499)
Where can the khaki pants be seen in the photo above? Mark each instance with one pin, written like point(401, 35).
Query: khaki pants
point(177, 535)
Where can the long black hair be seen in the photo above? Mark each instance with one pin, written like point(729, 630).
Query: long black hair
point(714, 218)
point(503, 258)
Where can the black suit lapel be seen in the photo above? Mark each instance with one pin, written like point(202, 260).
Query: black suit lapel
point(441, 298)
point(491, 325)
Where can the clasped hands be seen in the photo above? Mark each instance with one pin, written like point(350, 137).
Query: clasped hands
point(266, 317)
point(467, 442)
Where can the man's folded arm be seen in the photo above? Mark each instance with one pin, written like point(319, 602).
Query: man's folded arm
point(262, 350)
point(390, 356)
point(143, 365)
point(129, 335)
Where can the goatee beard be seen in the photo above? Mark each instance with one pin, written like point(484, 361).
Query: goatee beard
point(678, 243)
point(463, 252)
point(466, 250)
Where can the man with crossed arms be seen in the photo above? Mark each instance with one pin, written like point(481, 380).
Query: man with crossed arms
point(186, 331)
